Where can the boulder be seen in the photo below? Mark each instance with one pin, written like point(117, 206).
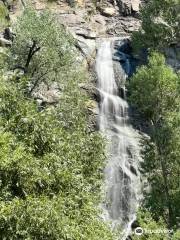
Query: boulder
point(80, 3)
point(91, 90)
point(8, 34)
point(92, 106)
point(135, 4)
point(122, 26)
point(86, 34)
point(4, 42)
point(70, 19)
point(128, 7)
point(47, 94)
point(130, 24)
point(99, 19)
point(98, 24)
point(40, 6)
point(86, 46)
point(107, 11)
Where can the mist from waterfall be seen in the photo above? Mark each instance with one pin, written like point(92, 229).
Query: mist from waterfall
point(122, 180)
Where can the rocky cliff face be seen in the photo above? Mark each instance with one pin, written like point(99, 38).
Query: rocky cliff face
point(89, 20)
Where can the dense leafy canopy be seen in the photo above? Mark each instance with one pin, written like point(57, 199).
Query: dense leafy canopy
point(155, 92)
point(150, 227)
point(154, 88)
point(41, 49)
point(3, 16)
point(160, 24)
point(50, 163)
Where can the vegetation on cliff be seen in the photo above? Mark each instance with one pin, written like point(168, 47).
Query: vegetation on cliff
point(50, 164)
point(160, 25)
point(3, 16)
point(155, 91)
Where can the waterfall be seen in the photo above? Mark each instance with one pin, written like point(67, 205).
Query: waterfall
point(122, 180)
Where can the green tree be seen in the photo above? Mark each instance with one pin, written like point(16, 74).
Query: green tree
point(50, 164)
point(176, 235)
point(154, 89)
point(155, 92)
point(161, 168)
point(3, 16)
point(46, 198)
point(153, 230)
point(150, 227)
point(42, 48)
point(160, 24)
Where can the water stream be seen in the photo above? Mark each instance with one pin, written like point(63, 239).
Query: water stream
point(122, 180)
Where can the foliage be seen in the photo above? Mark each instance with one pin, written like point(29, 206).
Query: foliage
point(161, 167)
point(44, 218)
point(41, 49)
point(148, 225)
point(50, 164)
point(3, 16)
point(154, 88)
point(3, 57)
point(155, 92)
point(176, 235)
point(153, 230)
point(44, 163)
point(160, 24)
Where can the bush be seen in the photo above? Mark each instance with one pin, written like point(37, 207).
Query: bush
point(50, 165)
point(160, 21)
point(3, 16)
point(155, 92)
point(41, 49)
point(154, 88)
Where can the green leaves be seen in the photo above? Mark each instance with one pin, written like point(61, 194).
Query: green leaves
point(160, 20)
point(151, 227)
point(42, 218)
point(42, 48)
point(155, 92)
point(154, 88)
point(50, 165)
point(3, 16)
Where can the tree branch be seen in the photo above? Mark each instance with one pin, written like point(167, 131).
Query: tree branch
point(32, 51)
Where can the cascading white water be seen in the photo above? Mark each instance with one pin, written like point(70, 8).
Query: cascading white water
point(121, 173)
